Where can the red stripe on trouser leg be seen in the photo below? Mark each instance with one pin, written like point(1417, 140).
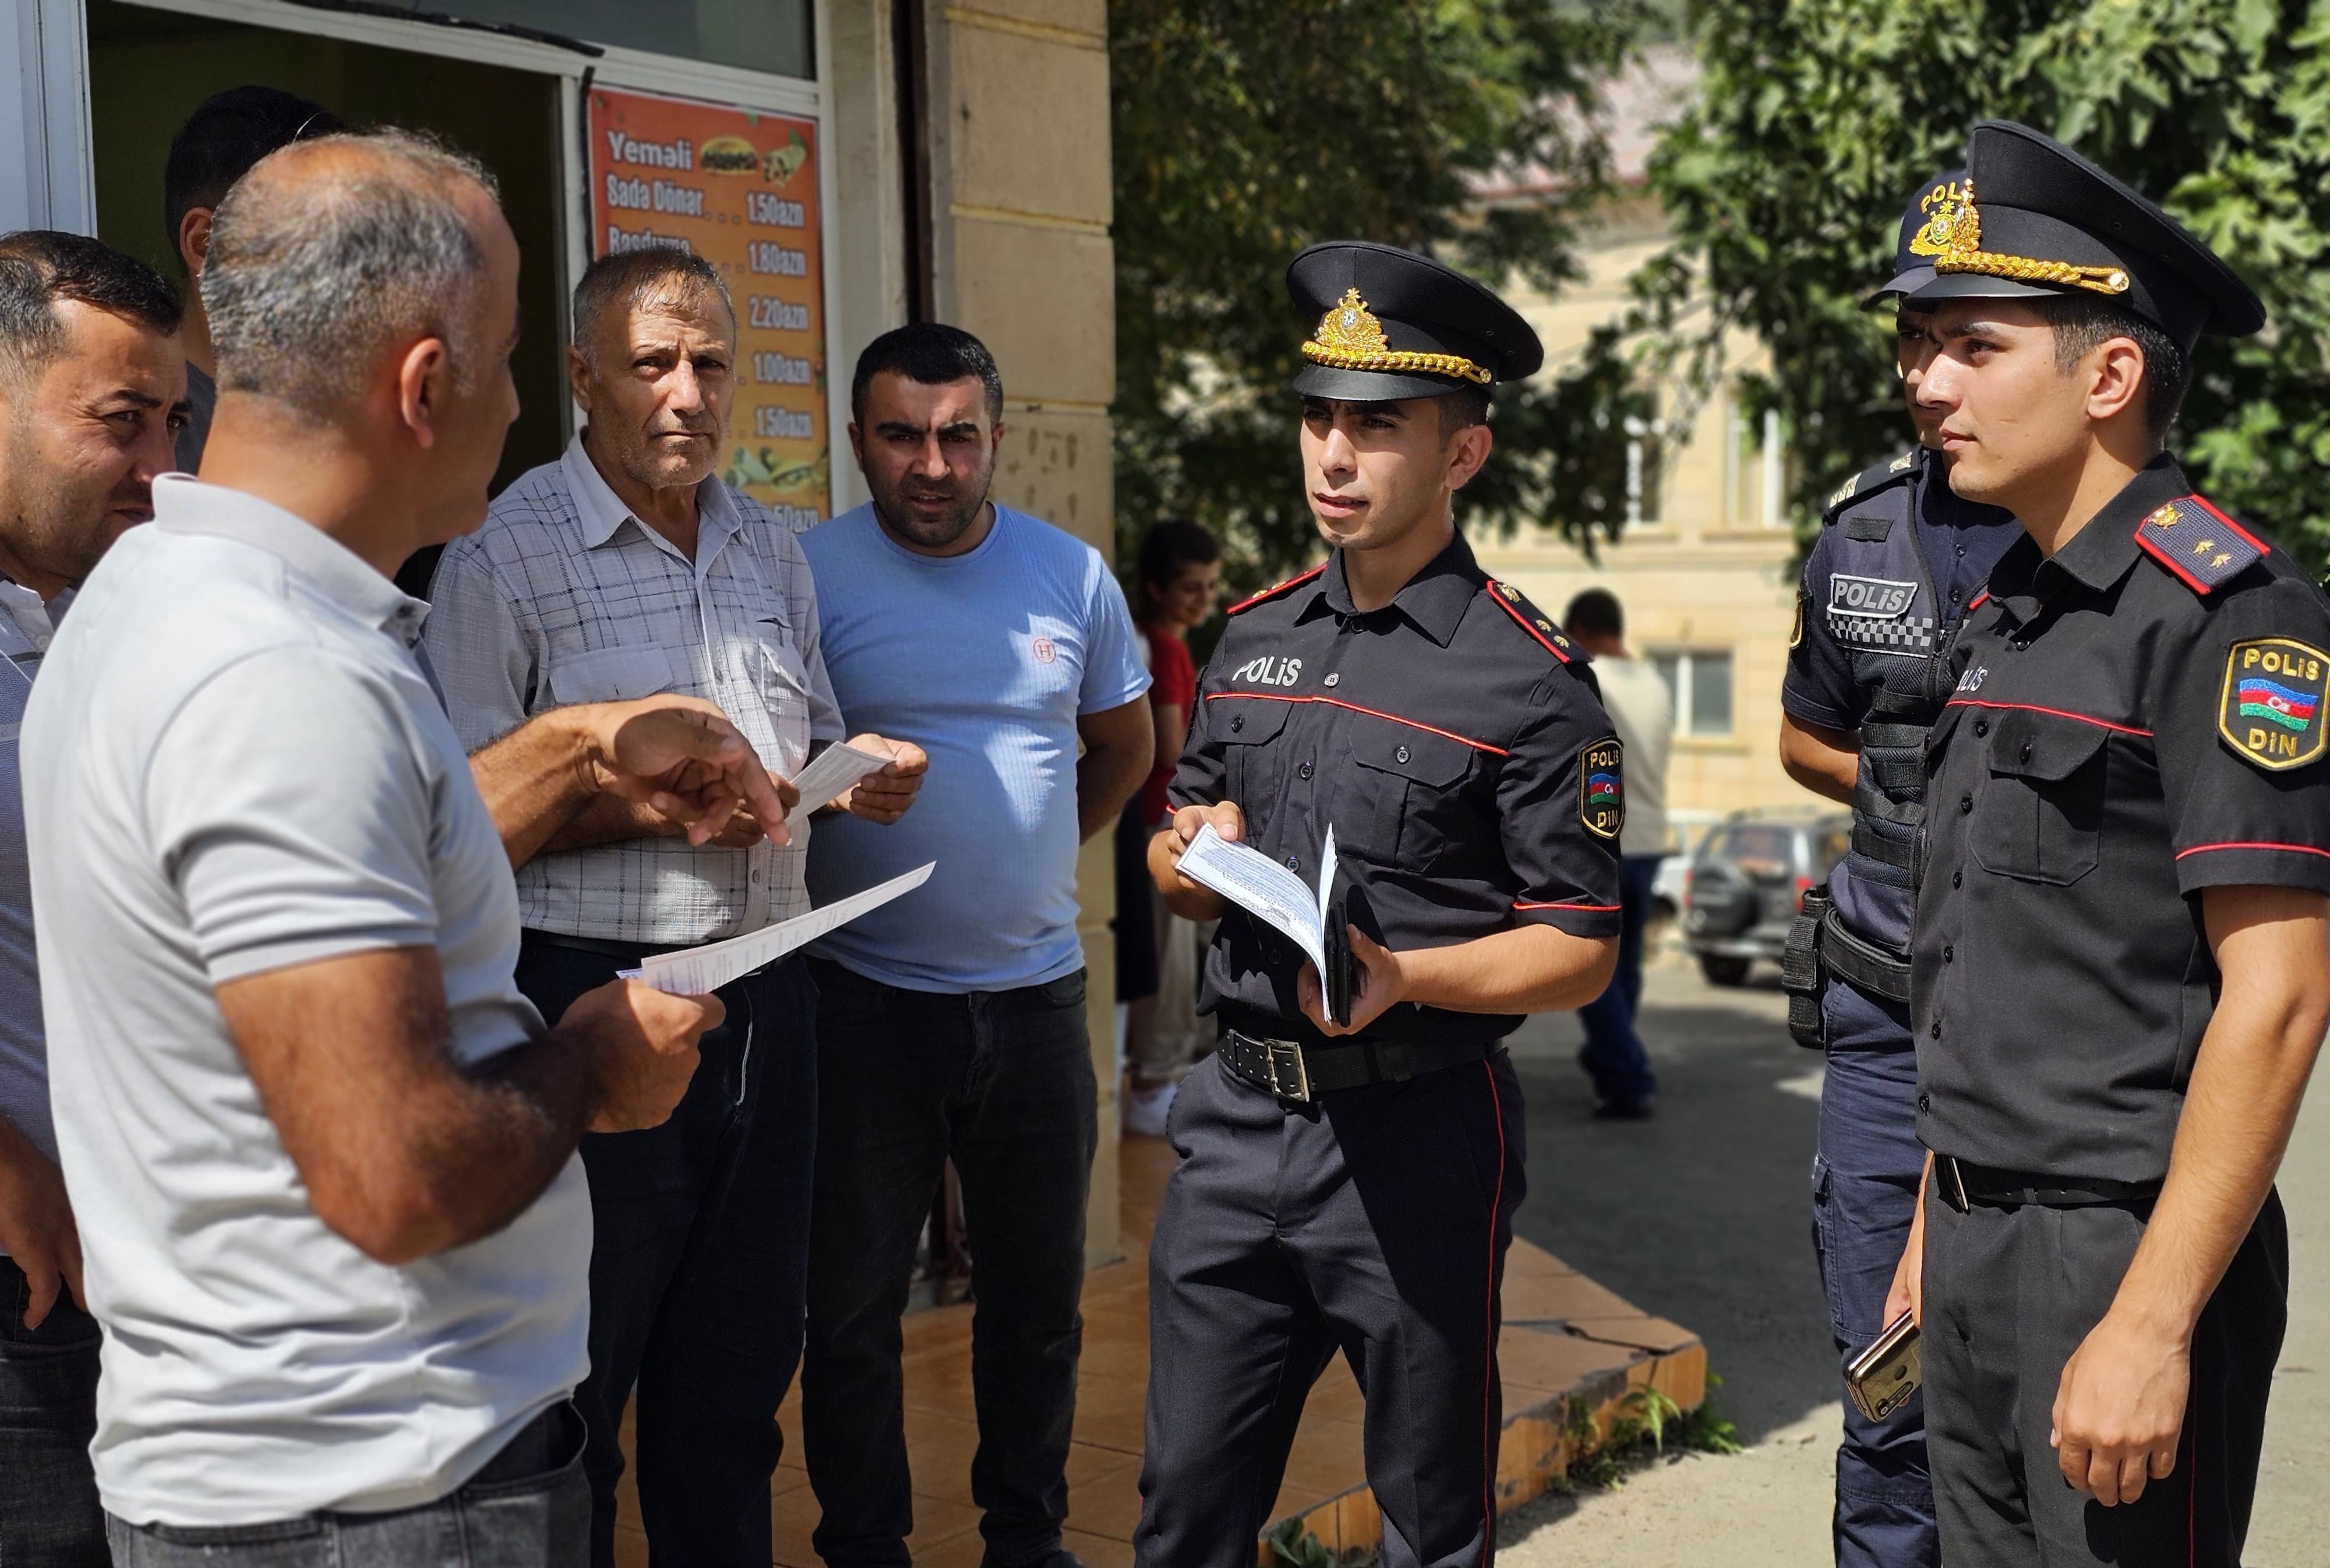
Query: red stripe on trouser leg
point(1489, 1344)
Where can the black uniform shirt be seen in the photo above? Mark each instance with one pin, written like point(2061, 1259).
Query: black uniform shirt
point(1456, 744)
point(2136, 720)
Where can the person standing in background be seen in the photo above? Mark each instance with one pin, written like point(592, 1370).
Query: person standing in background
point(92, 387)
point(1642, 710)
point(952, 1025)
point(1179, 574)
point(625, 567)
point(227, 134)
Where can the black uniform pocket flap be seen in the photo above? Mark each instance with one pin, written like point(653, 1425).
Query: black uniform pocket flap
point(2042, 746)
point(1245, 721)
point(1417, 755)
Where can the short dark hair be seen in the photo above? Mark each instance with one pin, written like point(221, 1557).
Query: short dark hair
point(227, 134)
point(932, 353)
point(2082, 324)
point(40, 267)
point(1463, 409)
point(625, 277)
point(1168, 545)
point(1594, 613)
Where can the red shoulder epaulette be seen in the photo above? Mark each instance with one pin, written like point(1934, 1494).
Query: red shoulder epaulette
point(1525, 615)
point(2199, 544)
point(1297, 581)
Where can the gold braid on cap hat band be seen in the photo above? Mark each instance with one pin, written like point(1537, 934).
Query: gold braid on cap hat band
point(1953, 238)
point(1350, 337)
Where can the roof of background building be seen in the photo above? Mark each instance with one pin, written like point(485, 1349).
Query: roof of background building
point(1636, 104)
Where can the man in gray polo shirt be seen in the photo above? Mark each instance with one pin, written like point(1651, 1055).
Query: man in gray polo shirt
point(321, 1149)
point(92, 386)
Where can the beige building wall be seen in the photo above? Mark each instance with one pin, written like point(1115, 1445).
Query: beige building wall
point(1022, 257)
point(1713, 571)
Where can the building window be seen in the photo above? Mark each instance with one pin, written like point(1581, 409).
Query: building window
point(1755, 472)
point(1699, 683)
point(1645, 457)
point(772, 35)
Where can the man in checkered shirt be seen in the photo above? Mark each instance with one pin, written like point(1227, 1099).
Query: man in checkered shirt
point(625, 568)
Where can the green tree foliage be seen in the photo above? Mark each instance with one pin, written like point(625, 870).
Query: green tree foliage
point(1247, 129)
point(1816, 118)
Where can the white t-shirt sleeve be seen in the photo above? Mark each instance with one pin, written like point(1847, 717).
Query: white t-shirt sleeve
point(289, 804)
point(1114, 671)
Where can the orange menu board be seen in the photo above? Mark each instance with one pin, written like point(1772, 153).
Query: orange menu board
point(739, 188)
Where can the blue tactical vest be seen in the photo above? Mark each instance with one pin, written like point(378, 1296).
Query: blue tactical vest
point(1877, 599)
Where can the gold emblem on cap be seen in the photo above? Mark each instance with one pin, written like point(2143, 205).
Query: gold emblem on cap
point(1350, 338)
point(1958, 235)
point(1941, 206)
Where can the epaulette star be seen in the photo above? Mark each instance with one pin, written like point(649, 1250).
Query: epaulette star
point(1870, 479)
point(1532, 620)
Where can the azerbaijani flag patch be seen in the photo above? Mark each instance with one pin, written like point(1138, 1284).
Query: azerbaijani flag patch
point(1602, 788)
point(2270, 709)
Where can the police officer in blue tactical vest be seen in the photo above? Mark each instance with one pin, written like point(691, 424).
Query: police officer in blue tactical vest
point(1898, 559)
point(1348, 1179)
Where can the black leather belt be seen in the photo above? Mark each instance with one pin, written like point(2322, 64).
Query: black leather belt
point(1875, 970)
point(1962, 1185)
point(1298, 1074)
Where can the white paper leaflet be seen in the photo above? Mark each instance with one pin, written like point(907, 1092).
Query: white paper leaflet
point(1267, 890)
point(836, 768)
point(692, 971)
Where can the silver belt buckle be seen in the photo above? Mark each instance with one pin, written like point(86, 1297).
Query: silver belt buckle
point(1292, 1086)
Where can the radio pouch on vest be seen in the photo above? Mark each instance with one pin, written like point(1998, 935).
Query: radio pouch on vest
point(1802, 975)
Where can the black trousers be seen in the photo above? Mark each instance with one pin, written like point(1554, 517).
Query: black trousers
point(1001, 1082)
point(2009, 1295)
point(1375, 1223)
point(49, 1513)
point(699, 1264)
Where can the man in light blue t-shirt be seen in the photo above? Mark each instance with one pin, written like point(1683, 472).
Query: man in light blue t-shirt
point(950, 1022)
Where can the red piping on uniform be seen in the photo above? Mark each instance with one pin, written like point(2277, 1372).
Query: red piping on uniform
point(1502, 602)
point(1489, 1345)
point(2292, 848)
point(2058, 713)
point(1588, 907)
point(1371, 712)
point(1297, 581)
point(1979, 601)
point(2175, 567)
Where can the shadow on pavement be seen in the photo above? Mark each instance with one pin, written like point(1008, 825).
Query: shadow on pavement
point(1702, 1216)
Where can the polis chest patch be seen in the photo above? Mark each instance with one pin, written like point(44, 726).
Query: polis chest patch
point(1602, 788)
point(2270, 710)
point(1870, 598)
point(1873, 613)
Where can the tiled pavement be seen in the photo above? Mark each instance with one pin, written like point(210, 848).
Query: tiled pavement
point(1564, 1335)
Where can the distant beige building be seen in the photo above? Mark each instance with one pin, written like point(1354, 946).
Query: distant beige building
point(1706, 569)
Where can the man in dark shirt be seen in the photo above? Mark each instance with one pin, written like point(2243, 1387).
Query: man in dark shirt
point(1885, 587)
point(2122, 949)
point(227, 134)
point(1353, 1184)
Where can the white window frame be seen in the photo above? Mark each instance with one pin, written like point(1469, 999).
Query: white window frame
point(50, 183)
point(612, 67)
point(1686, 685)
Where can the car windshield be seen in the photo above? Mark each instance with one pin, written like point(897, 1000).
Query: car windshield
point(1761, 849)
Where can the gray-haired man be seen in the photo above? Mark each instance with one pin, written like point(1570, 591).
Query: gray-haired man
point(92, 386)
point(626, 567)
point(321, 1149)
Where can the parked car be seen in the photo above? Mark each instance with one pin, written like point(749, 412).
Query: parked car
point(1747, 880)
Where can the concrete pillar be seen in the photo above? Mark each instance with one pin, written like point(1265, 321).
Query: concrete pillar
point(1019, 211)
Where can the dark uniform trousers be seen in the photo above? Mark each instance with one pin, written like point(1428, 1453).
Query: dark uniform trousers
point(2010, 1292)
point(1374, 1222)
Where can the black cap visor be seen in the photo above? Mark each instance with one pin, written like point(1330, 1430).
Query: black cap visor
point(1370, 386)
point(1983, 286)
point(1906, 282)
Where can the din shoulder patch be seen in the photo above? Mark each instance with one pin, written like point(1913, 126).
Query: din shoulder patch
point(1532, 620)
point(2269, 710)
point(1602, 788)
point(1870, 479)
point(1267, 594)
point(2199, 544)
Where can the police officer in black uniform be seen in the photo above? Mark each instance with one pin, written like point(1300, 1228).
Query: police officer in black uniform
point(1898, 559)
point(1352, 1187)
point(2121, 961)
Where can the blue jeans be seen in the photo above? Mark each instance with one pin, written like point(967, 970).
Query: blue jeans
point(528, 1507)
point(699, 1267)
point(49, 1512)
point(1613, 1055)
point(1865, 1174)
point(1000, 1083)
